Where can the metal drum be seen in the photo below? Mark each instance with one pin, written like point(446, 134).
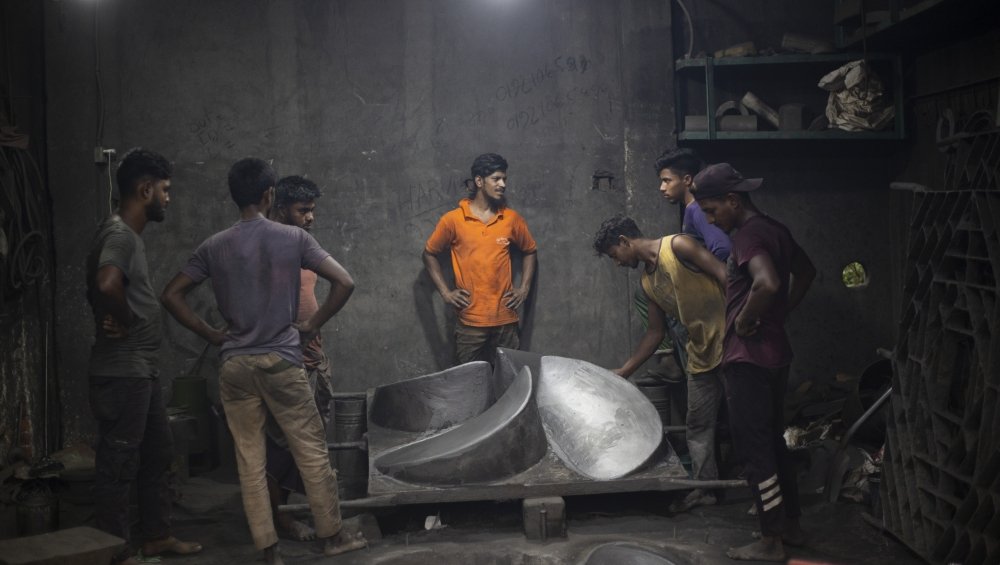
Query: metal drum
point(349, 427)
point(37, 510)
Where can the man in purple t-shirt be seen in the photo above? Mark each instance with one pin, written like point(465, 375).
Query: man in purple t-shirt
point(677, 169)
point(255, 270)
point(769, 275)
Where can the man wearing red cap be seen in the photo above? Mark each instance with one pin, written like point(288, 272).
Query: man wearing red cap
point(768, 275)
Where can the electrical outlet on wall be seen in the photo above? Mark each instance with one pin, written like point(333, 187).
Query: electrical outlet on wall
point(104, 155)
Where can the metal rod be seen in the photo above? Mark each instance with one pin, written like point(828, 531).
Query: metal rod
point(864, 417)
point(349, 395)
point(340, 445)
point(367, 502)
point(45, 408)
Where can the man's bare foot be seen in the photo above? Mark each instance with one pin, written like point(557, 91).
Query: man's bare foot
point(344, 542)
point(793, 538)
point(170, 545)
point(791, 534)
point(293, 529)
point(272, 555)
point(766, 549)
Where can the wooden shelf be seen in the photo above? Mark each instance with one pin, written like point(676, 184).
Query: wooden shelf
point(802, 134)
point(912, 25)
point(783, 59)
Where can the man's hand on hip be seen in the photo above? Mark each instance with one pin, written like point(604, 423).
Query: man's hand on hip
point(459, 298)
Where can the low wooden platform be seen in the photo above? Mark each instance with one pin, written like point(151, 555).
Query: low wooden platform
point(73, 546)
point(549, 477)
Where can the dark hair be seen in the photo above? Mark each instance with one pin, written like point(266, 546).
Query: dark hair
point(138, 164)
point(294, 189)
point(487, 164)
point(682, 160)
point(612, 229)
point(249, 179)
point(470, 187)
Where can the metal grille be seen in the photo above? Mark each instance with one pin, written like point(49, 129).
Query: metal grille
point(941, 473)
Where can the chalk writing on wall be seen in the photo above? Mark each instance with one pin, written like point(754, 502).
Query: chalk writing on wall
point(554, 104)
point(426, 196)
point(526, 83)
point(214, 132)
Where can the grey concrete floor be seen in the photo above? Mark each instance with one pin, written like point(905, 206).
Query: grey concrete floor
point(487, 533)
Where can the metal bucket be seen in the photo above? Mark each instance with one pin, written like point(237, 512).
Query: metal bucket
point(37, 510)
point(350, 422)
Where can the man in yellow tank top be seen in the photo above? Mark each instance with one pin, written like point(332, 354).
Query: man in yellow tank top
point(681, 278)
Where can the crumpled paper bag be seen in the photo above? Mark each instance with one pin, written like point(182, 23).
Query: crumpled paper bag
point(857, 99)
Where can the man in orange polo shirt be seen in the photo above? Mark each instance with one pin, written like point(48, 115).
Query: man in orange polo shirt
point(480, 232)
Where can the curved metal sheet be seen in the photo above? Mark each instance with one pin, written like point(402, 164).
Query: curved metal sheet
point(436, 401)
point(509, 364)
point(504, 440)
point(621, 554)
point(599, 424)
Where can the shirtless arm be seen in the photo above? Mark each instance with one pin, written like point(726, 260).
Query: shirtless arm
point(174, 299)
point(764, 288)
point(696, 254)
point(341, 288)
point(516, 297)
point(655, 331)
point(459, 297)
point(110, 295)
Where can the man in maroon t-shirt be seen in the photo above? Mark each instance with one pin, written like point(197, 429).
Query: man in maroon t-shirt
point(769, 275)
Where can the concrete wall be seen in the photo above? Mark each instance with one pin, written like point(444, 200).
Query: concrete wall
point(385, 104)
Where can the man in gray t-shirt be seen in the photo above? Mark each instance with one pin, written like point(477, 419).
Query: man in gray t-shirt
point(255, 270)
point(133, 354)
point(134, 440)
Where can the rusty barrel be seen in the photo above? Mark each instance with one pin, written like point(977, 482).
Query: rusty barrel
point(37, 509)
point(350, 422)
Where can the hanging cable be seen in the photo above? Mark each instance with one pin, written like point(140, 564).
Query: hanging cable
point(97, 75)
point(23, 204)
point(10, 80)
point(111, 207)
point(690, 25)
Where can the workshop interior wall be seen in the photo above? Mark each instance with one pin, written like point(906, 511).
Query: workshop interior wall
point(385, 104)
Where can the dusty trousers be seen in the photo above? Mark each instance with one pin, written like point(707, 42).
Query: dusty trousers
point(756, 400)
point(704, 393)
point(280, 463)
point(250, 387)
point(474, 343)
